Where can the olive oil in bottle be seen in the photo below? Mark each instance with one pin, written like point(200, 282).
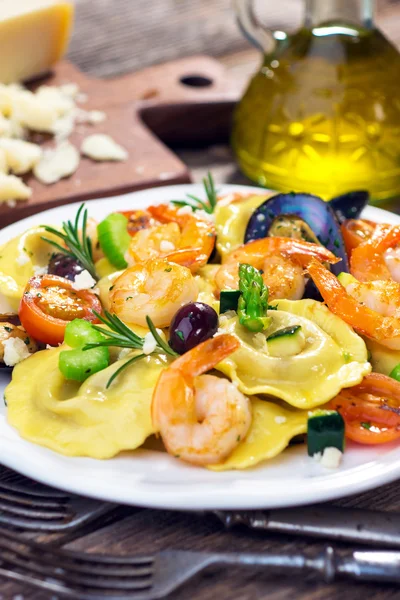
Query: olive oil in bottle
point(322, 115)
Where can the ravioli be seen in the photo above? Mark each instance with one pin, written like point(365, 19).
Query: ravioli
point(271, 430)
point(383, 359)
point(334, 356)
point(83, 419)
point(18, 259)
point(231, 220)
point(205, 280)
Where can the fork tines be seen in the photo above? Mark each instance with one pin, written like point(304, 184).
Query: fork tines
point(32, 506)
point(74, 574)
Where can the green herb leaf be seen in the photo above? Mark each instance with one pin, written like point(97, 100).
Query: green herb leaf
point(160, 342)
point(366, 425)
point(122, 367)
point(78, 243)
point(121, 336)
point(196, 203)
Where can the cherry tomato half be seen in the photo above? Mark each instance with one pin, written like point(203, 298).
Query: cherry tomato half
point(371, 410)
point(50, 302)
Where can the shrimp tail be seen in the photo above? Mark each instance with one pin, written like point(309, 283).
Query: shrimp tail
point(207, 355)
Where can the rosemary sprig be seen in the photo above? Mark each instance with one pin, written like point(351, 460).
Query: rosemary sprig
point(196, 203)
point(121, 336)
point(78, 246)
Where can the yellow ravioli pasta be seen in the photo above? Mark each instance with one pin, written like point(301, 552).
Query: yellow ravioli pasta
point(271, 430)
point(334, 357)
point(82, 419)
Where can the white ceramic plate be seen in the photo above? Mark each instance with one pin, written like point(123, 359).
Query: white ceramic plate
point(154, 479)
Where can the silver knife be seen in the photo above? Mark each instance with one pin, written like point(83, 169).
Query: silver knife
point(330, 522)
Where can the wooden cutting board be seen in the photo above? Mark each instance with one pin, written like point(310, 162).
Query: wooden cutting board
point(183, 102)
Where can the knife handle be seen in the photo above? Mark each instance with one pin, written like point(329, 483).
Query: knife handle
point(377, 528)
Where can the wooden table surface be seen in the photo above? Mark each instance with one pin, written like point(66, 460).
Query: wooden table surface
point(115, 36)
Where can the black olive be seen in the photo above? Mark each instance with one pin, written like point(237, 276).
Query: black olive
point(192, 324)
point(64, 266)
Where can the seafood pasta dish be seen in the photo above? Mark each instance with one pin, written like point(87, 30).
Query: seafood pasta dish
point(220, 329)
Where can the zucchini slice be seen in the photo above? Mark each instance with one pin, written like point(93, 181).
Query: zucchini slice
point(325, 429)
point(228, 300)
point(288, 341)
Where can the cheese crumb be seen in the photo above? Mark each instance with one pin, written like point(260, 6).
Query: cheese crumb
point(69, 89)
point(280, 420)
point(202, 214)
point(83, 281)
point(166, 246)
point(96, 116)
point(185, 210)
point(57, 163)
point(100, 146)
point(37, 270)
point(21, 156)
point(22, 258)
point(15, 350)
point(150, 343)
point(13, 188)
point(330, 458)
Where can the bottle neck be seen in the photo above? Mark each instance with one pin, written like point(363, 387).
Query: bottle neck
point(356, 12)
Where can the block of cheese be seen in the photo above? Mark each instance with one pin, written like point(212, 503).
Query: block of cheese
point(34, 35)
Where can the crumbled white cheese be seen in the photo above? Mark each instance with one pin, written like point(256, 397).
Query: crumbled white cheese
point(49, 109)
point(96, 116)
point(280, 420)
point(100, 146)
point(81, 97)
point(57, 163)
point(34, 113)
point(37, 270)
point(70, 89)
point(202, 214)
point(21, 156)
point(13, 188)
point(166, 246)
point(150, 343)
point(22, 258)
point(15, 350)
point(330, 458)
point(185, 210)
point(83, 281)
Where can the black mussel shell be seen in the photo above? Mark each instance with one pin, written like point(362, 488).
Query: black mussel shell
point(313, 210)
point(349, 206)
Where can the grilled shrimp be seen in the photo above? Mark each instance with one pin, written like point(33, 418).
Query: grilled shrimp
point(181, 237)
point(372, 308)
point(201, 418)
point(157, 288)
point(281, 260)
point(378, 258)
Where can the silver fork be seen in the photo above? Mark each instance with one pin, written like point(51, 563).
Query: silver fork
point(93, 577)
point(32, 506)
